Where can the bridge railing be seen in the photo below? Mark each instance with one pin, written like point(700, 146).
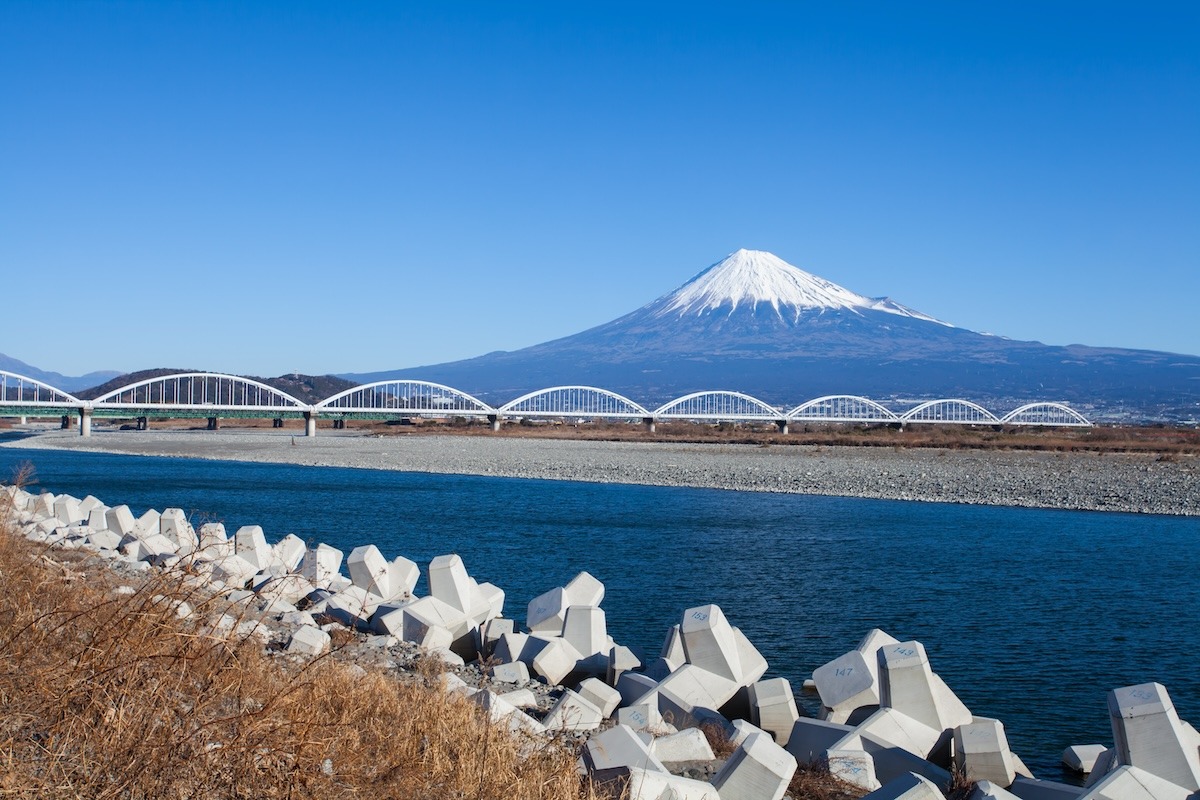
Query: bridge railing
point(576, 402)
point(405, 396)
point(718, 405)
point(199, 391)
point(20, 390)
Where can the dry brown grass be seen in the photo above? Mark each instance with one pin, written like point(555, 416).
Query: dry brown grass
point(813, 781)
point(113, 696)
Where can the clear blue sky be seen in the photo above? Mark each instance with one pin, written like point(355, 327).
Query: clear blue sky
point(344, 187)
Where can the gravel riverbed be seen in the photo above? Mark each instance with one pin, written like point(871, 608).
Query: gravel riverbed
point(1092, 481)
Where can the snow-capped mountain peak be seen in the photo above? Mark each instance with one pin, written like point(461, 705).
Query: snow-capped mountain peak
point(750, 278)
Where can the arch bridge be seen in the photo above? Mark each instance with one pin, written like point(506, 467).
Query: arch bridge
point(215, 395)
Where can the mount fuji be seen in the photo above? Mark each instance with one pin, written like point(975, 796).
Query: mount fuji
point(754, 323)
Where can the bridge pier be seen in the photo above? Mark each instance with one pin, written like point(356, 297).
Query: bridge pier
point(782, 424)
point(143, 423)
point(66, 422)
point(648, 422)
point(24, 420)
point(214, 423)
point(310, 423)
point(277, 423)
point(495, 420)
point(85, 422)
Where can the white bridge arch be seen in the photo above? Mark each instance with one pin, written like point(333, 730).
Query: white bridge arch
point(574, 401)
point(841, 408)
point(21, 390)
point(719, 405)
point(1046, 414)
point(199, 391)
point(409, 396)
point(951, 412)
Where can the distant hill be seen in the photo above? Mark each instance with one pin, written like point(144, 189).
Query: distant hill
point(754, 323)
point(308, 388)
point(55, 379)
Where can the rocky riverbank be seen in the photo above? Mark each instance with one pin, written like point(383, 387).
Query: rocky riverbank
point(1135, 483)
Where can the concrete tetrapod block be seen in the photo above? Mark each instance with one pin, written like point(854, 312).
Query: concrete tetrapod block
point(1031, 789)
point(811, 738)
point(98, 518)
point(516, 647)
point(120, 520)
point(891, 726)
point(87, 504)
point(173, 524)
point(709, 642)
point(66, 509)
point(521, 698)
point(308, 640)
point(234, 571)
point(148, 522)
point(404, 575)
point(251, 544)
point(644, 784)
point(754, 666)
point(556, 661)
point(672, 649)
point(571, 712)
point(512, 672)
point(907, 787)
point(584, 590)
point(773, 708)
point(1082, 757)
point(908, 685)
point(369, 570)
point(450, 583)
point(104, 539)
point(212, 533)
point(353, 606)
point(429, 611)
point(686, 745)
point(845, 684)
point(1149, 734)
point(855, 767)
point(601, 695)
point(501, 711)
point(758, 770)
point(981, 752)
point(620, 660)
point(493, 630)
point(547, 612)
point(986, 790)
point(584, 627)
point(289, 552)
point(617, 747)
point(633, 686)
point(1133, 783)
point(690, 691)
point(321, 564)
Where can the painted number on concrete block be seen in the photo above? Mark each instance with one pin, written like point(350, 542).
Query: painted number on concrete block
point(699, 615)
point(842, 672)
point(905, 651)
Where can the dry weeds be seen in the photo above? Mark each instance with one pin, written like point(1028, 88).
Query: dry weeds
point(107, 695)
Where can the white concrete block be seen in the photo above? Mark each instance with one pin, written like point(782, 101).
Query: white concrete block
point(601, 695)
point(1030, 789)
point(1149, 734)
point(898, 729)
point(308, 640)
point(754, 666)
point(644, 784)
point(352, 606)
point(514, 647)
point(690, 690)
point(97, 518)
point(709, 642)
point(571, 712)
point(289, 552)
point(148, 522)
point(501, 711)
point(547, 612)
point(585, 628)
point(156, 547)
point(321, 564)
point(672, 649)
point(251, 544)
point(773, 708)
point(234, 571)
point(403, 574)
point(981, 752)
point(855, 767)
point(907, 787)
point(87, 504)
point(617, 747)
point(120, 520)
point(173, 524)
point(758, 770)
point(493, 629)
point(212, 533)
point(641, 716)
point(686, 745)
point(369, 570)
point(104, 539)
point(1133, 783)
point(584, 590)
point(633, 686)
point(907, 684)
point(521, 698)
point(289, 588)
point(986, 790)
point(429, 611)
point(67, 511)
point(492, 597)
point(556, 661)
point(845, 684)
point(450, 583)
point(1082, 757)
point(811, 738)
point(512, 672)
point(620, 660)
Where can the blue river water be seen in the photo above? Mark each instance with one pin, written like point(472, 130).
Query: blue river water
point(1030, 615)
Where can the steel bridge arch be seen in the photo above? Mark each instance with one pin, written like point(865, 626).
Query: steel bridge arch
point(842, 408)
point(718, 404)
point(574, 401)
point(383, 396)
point(1047, 414)
point(15, 390)
point(142, 394)
point(950, 412)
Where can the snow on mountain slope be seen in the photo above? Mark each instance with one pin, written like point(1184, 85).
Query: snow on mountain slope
point(750, 278)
